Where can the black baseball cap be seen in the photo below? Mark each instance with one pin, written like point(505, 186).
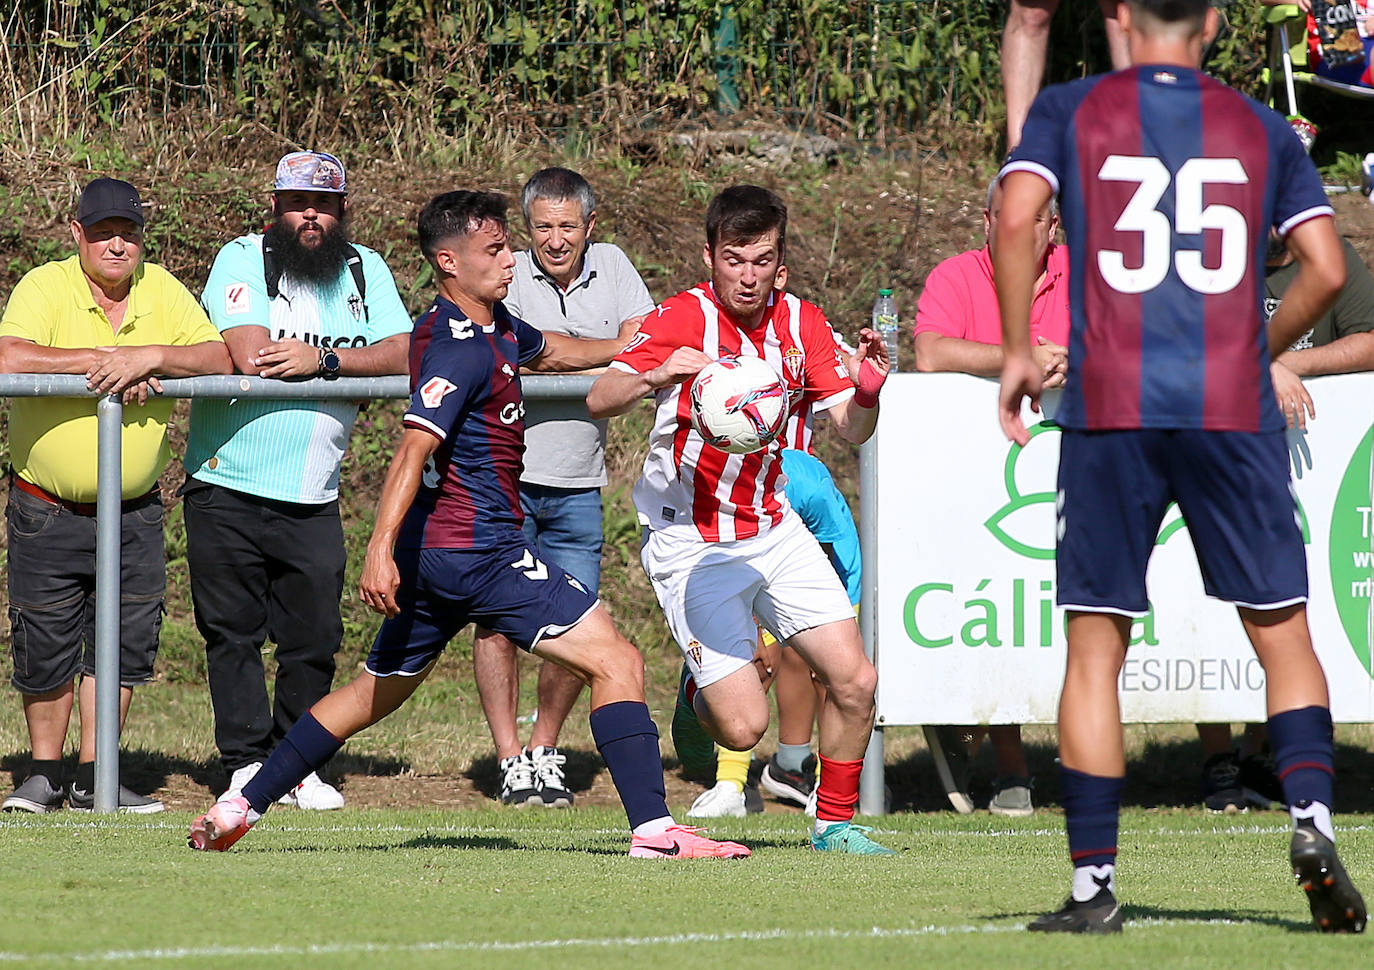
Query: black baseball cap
point(108, 198)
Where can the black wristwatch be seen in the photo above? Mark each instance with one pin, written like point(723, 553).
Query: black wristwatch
point(329, 364)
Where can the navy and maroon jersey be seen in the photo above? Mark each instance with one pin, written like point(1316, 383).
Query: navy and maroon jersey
point(1168, 182)
point(465, 390)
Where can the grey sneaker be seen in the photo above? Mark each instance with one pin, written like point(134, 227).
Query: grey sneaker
point(36, 795)
point(949, 750)
point(1013, 797)
point(84, 801)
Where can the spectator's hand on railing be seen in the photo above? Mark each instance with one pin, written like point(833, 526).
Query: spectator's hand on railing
point(1294, 401)
point(287, 358)
point(138, 393)
point(118, 368)
point(379, 582)
point(1053, 360)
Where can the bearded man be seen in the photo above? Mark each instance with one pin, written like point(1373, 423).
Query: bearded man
point(264, 541)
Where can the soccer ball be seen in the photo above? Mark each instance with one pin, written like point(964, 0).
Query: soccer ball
point(738, 404)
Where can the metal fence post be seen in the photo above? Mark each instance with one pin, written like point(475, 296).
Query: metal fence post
point(727, 61)
point(872, 781)
point(108, 499)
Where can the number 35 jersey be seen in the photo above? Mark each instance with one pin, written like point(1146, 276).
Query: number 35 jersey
point(1168, 184)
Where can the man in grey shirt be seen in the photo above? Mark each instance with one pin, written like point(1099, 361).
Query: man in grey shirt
point(563, 284)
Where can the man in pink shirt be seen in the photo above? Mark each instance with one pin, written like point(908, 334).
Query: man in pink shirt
point(958, 325)
point(959, 328)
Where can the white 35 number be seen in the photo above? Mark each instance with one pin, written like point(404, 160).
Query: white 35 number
point(1142, 215)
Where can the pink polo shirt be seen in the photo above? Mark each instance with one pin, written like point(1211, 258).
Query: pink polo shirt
point(959, 299)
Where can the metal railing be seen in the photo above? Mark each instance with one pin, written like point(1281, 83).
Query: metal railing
point(109, 493)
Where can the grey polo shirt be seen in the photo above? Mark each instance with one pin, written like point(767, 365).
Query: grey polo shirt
point(564, 448)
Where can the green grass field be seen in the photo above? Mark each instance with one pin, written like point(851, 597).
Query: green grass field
point(373, 888)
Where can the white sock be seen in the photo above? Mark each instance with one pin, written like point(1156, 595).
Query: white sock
point(654, 827)
point(1315, 814)
point(822, 824)
point(1089, 880)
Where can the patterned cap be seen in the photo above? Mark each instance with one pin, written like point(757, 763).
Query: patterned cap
point(310, 172)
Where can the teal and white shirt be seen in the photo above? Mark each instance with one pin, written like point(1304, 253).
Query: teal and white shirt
point(289, 451)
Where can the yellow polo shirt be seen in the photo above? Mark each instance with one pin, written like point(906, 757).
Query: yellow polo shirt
point(53, 439)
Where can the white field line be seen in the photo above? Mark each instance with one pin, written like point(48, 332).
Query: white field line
point(1235, 828)
point(609, 942)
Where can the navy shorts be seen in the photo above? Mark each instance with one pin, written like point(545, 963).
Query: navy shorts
point(1236, 497)
point(507, 589)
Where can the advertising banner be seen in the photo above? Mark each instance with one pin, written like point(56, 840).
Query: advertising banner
point(967, 630)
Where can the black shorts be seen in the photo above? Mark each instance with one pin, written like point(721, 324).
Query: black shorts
point(52, 592)
point(1235, 493)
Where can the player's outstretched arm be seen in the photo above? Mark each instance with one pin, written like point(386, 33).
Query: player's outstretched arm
point(380, 578)
point(616, 391)
point(564, 353)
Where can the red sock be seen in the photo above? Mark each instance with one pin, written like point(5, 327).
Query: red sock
point(839, 789)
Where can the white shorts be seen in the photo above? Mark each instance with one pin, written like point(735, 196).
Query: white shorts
point(712, 592)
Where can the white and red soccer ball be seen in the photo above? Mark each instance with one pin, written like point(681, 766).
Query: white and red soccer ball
point(738, 404)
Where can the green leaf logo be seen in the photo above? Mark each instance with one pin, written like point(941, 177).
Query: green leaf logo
point(1351, 551)
point(1000, 522)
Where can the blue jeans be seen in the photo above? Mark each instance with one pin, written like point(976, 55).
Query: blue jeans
point(563, 525)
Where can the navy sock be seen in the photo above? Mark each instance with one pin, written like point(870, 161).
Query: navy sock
point(628, 741)
point(1301, 742)
point(305, 748)
point(1092, 805)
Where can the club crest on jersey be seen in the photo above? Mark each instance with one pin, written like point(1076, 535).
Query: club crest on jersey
point(434, 391)
point(237, 299)
point(355, 306)
point(792, 361)
point(694, 651)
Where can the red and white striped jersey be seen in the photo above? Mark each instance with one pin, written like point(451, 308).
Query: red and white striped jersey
point(799, 423)
point(688, 486)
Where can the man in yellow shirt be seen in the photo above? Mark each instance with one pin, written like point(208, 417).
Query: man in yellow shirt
point(104, 314)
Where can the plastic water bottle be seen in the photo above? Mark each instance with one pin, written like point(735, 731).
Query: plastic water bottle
point(885, 322)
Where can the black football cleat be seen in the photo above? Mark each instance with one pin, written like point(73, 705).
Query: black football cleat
point(1337, 906)
point(1101, 914)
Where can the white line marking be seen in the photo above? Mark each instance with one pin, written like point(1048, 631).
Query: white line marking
point(612, 942)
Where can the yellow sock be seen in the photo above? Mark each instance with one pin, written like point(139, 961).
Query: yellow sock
point(732, 766)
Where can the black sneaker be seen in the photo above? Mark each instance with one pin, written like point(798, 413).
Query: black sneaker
point(753, 799)
point(1101, 914)
point(37, 794)
point(518, 784)
point(789, 786)
point(548, 777)
point(1221, 791)
point(1336, 904)
point(1259, 782)
point(84, 801)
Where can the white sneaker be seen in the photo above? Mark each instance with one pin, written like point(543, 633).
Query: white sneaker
point(241, 777)
point(723, 801)
point(313, 795)
point(811, 800)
